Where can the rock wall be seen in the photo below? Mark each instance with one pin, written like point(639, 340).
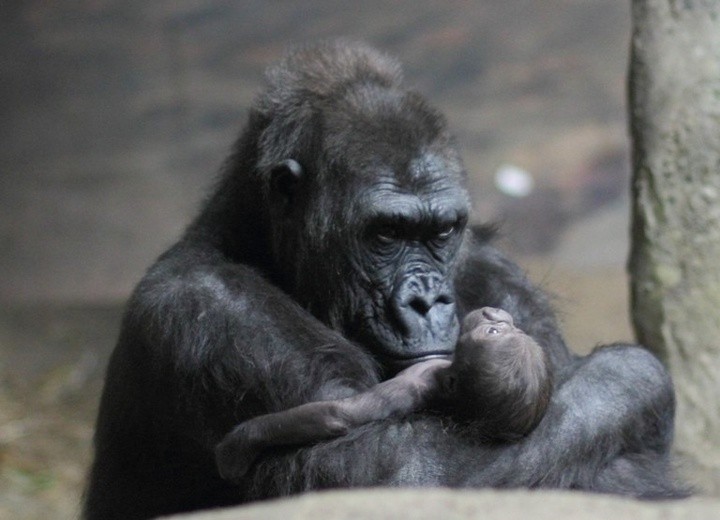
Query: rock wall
point(675, 257)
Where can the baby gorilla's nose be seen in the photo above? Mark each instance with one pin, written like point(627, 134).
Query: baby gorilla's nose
point(496, 315)
point(486, 315)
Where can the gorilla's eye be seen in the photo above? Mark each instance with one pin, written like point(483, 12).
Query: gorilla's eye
point(446, 231)
point(493, 330)
point(386, 233)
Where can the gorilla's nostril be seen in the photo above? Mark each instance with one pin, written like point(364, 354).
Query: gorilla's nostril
point(444, 299)
point(423, 305)
point(420, 305)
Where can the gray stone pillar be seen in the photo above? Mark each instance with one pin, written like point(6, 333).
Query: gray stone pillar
point(675, 257)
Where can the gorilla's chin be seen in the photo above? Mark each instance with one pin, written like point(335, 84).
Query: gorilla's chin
point(395, 352)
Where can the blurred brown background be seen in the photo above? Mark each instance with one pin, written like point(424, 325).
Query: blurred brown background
point(115, 117)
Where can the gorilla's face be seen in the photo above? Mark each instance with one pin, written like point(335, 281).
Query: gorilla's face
point(405, 251)
point(400, 233)
point(383, 217)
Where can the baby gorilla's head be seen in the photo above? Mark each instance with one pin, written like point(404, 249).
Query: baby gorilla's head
point(499, 375)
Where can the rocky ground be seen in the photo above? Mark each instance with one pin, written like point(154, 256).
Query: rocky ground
point(464, 505)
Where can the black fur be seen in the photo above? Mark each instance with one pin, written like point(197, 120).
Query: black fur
point(498, 381)
point(332, 254)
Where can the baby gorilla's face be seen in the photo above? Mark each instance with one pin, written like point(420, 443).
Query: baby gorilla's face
point(487, 328)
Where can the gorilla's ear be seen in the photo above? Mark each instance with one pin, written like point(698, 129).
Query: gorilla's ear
point(284, 180)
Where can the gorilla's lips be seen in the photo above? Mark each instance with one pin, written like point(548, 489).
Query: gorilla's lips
point(396, 351)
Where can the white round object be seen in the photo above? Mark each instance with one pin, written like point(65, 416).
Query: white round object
point(514, 181)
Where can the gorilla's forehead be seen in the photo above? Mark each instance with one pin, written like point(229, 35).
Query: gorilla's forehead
point(429, 168)
point(427, 186)
point(439, 201)
point(414, 209)
point(420, 170)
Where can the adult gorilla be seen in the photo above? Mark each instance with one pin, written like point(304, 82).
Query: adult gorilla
point(332, 253)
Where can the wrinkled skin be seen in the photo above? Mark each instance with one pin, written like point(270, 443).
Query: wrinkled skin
point(334, 252)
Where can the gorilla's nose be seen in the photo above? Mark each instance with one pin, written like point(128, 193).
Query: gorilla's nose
point(424, 304)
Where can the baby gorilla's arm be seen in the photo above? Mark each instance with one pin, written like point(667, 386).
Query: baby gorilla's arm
point(407, 392)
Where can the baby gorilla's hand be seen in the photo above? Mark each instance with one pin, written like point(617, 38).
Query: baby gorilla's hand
point(235, 454)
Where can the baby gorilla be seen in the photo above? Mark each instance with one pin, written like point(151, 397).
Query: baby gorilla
point(498, 377)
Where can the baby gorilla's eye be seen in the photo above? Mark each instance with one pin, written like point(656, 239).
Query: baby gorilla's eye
point(493, 330)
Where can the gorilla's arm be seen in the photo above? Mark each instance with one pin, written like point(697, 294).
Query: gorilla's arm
point(227, 332)
point(498, 379)
point(205, 344)
point(610, 422)
point(411, 390)
point(592, 437)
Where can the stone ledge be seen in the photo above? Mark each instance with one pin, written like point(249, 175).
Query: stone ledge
point(448, 504)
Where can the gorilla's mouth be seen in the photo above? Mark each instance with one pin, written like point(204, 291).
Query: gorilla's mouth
point(395, 349)
point(392, 349)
